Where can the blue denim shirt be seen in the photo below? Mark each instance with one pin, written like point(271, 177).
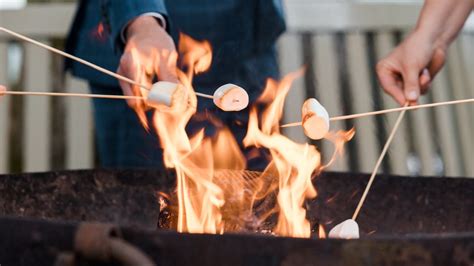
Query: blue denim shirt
point(242, 34)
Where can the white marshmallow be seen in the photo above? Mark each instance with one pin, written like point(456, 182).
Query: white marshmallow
point(349, 229)
point(315, 119)
point(161, 93)
point(230, 97)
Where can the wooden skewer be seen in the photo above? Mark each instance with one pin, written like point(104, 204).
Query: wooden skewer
point(87, 63)
point(75, 58)
point(379, 161)
point(386, 111)
point(204, 95)
point(80, 95)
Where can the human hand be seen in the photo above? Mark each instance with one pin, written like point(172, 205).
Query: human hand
point(409, 69)
point(3, 89)
point(149, 52)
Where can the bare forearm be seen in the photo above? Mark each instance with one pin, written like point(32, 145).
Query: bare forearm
point(441, 20)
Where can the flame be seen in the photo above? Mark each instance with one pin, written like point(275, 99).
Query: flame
point(208, 199)
point(196, 56)
point(100, 32)
point(294, 162)
point(321, 232)
point(196, 158)
point(338, 138)
point(143, 65)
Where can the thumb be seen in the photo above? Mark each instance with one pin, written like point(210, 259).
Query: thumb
point(411, 84)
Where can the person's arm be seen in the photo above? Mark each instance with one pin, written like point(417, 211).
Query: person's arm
point(138, 27)
point(118, 15)
point(408, 70)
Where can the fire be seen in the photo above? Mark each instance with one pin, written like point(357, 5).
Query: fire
point(196, 56)
point(338, 138)
point(100, 32)
point(214, 192)
point(196, 158)
point(321, 232)
point(294, 162)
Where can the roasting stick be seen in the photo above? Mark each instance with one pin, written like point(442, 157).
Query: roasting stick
point(80, 95)
point(82, 61)
point(349, 229)
point(87, 63)
point(386, 111)
point(379, 161)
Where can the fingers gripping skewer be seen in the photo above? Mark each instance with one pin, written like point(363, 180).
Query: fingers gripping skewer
point(228, 97)
point(349, 228)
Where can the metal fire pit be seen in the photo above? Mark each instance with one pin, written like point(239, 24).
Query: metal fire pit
point(405, 221)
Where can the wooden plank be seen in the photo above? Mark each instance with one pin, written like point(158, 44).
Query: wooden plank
point(53, 19)
point(80, 142)
point(469, 25)
point(35, 20)
point(290, 60)
point(425, 143)
point(362, 101)
point(327, 84)
point(445, 125)
point(463, 119)
point(424, 139)
point(399, 150)
point(4, 114)
point(311, 15)
point(467, 42)
point(336, 15)
point(36, 153)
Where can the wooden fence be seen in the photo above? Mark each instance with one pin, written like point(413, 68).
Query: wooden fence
point(338, 42)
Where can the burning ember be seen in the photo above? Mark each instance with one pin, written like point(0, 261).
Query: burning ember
point(214, 192)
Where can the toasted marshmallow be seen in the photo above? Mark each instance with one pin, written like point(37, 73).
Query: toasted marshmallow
point(161, 94)
point(230, 97)
point(315, 119)
point(349, 229)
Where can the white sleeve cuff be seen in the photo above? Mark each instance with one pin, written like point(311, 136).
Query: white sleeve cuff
point(158, 16)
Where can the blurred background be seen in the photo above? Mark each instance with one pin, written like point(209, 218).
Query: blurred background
point(339, 42)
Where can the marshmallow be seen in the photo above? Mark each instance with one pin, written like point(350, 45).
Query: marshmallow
point(315, 119)
point(161, 94)
point(230, 97)
point(348, 229)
